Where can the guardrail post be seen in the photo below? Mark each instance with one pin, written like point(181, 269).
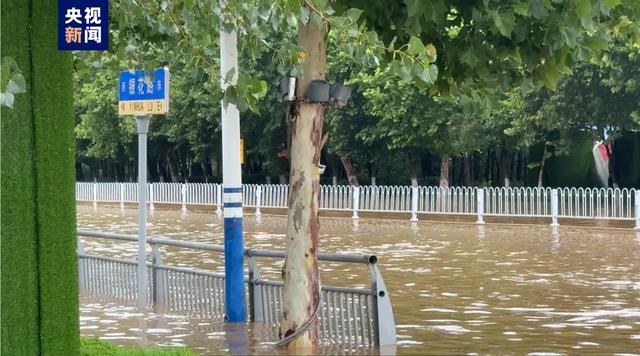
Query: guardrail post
point(219, 198)
point(95, 195)
point(414, 203)
point(637, 210)
point(383, 320)
point(480, 206)
point(82, 284)
point(151, 197)
point(356, 202)
point(255, 293)
point(258, 199)
point(121, 196)
point(554, 207)
point(183, 193)
point(158, 295)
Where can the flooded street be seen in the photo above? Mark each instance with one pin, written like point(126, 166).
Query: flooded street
point(456, 288)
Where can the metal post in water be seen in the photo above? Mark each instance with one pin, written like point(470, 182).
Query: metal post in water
point(637, 210)
point(258, 199)
point(554, 207)
point(356, 202)
point(142, 122)
point(480, 197)
point(219, 198)
point(183, 197)
point(121, 196)
point(414, 203)
point(235, 308)
point(151, 207)
point(95, 194)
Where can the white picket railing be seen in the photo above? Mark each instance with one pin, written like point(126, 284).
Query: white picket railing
point(554, 203)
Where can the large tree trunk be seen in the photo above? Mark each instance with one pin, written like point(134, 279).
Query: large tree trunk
point(505, 165)
point(444, 171)
point(542, 161)
point(466, 168)
point(413, 169)
point(351, 173)
point(300, 270)
point(215, 168)
point(173, 172)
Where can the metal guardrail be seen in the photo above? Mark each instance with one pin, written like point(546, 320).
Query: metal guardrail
point(553, 203)
point(355, 316)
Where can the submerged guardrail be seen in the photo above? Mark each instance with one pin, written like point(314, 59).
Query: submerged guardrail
point(545, 202)
point(354, 316)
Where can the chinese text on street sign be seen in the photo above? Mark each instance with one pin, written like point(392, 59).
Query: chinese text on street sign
point(143, 93)
point(83, 25)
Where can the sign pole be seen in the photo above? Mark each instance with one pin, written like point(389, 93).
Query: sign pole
point(142, 95)
point(232, 193)
point(142, 122)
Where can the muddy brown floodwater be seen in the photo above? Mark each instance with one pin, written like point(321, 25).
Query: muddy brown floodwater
point(455, 288)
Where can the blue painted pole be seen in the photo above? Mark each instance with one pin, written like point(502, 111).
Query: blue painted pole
point(235, 307)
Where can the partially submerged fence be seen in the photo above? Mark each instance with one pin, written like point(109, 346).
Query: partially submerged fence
point(352, 316)
point(553, 203)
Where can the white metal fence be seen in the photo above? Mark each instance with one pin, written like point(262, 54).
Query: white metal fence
point(348, 316)
point(553, 203)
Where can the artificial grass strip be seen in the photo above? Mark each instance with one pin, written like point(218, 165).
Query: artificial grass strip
point(52, 87)
point(19, 262)
point(39, 289)
point(95, 347)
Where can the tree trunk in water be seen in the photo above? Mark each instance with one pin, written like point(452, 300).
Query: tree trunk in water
point(205, 174)
point(466, 167)
point(413, 169)
point(373, 181)
point(300, 271)
point(351, 173)
point(444, 171)
point(541, 173)
point(171, 165)
point(214, 168)
point(505, 165)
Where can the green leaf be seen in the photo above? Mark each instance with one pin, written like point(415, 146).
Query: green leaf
point(583, 8)
point(521, 9)
point(353, 14)
point(415, 46)
point(16, 84)
point(570, 35)
point(609, 4)
point(504, 21)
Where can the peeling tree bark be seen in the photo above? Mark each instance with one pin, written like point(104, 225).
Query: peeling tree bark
point(300, 270)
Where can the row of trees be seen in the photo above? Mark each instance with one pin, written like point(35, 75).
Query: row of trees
point(465, 130)
point(392, 132)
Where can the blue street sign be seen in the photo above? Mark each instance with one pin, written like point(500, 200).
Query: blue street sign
point(143, 93)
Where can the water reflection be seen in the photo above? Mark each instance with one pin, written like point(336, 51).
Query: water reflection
point(455, 288)
point(555, 239)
